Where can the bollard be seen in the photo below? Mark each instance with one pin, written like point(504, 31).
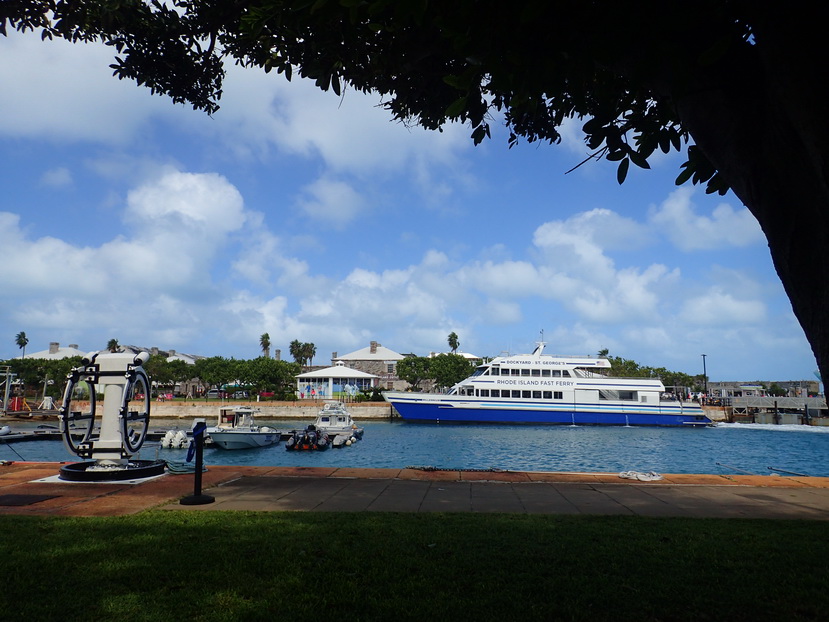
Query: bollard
point(197, 447)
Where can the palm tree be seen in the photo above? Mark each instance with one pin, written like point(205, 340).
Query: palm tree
point(112, 345)
point(453, 342)
point(265, 344)
point(22, 341)
point(603, 353)
point(296, 351)
point(309, 351)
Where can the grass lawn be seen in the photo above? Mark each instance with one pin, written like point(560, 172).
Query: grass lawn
point(190, 565)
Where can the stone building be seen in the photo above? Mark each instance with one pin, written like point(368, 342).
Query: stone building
point(376, 360)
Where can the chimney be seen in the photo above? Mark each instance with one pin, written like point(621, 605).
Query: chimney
point(54, 346)
point(153, 351)
point(333, 356)
point(171, 353)
point(277, 355)
point(73, 345)
point(374, 345)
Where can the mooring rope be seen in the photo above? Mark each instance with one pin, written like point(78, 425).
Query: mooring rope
point(434, 468)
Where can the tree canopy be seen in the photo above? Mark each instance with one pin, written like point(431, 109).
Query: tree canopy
point(734, 83)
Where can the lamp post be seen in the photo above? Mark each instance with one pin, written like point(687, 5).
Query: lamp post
point(704, 375)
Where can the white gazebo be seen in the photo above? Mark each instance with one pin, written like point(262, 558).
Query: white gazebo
point(339, 379)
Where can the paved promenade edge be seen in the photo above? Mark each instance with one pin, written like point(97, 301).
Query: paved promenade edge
point(30, 488)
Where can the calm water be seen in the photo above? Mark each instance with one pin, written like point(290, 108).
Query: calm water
point(752, 448)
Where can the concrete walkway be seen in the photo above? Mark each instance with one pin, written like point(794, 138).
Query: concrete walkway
point(34, 489)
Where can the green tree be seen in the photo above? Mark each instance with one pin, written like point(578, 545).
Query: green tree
point(265, 345)
point(414, 370)
point(295, 348)
point(449, 369)
point(160, 371)
point(215, 371)
point(309, 351)
point(453, 342)
point(732, 83)
point(303, 353)
point(267, 374)
point(21, 340)
point(112, 345)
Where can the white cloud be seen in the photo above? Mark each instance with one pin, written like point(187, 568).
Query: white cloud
point(66, 92)
point(57, 177)
point(331, 203)
point(689, 231)
point(717, 307)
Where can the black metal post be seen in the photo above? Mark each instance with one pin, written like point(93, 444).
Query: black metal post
point(197, 498)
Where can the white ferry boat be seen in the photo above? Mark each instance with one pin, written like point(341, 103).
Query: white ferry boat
point(544, 389)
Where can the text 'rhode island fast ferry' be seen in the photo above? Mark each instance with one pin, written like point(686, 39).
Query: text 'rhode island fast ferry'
point(544, 389)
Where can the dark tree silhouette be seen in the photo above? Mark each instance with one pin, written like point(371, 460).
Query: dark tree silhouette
point(738, 84)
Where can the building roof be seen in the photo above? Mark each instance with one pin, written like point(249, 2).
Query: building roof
point(374, 352)
point(466, 355)
point(56, 352)
point(336, 371)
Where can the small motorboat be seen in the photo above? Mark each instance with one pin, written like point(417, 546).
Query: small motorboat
point(335, 420)
point(309, 439)
point(237, 429)
point(343, 440)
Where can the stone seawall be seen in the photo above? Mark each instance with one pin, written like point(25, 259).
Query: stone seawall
point(269, 410)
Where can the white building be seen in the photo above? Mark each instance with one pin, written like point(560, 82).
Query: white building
point(56, 352)
point(333, 382)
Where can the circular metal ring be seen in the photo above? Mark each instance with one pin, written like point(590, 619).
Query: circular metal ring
point(76, 423)
point(133, 441)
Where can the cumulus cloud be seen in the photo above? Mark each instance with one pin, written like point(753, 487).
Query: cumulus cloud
point(580, 272)
point(677, 218)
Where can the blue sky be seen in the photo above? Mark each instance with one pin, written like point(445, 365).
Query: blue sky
point(315, 217)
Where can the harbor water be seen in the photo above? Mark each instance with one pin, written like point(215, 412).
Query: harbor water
point(723, 449)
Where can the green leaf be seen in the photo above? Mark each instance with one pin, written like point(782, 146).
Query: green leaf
point(639, 160)
point(622, 171)
point(456, 107)
point(685, 175)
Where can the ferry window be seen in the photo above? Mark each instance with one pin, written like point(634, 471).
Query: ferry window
point(484, 392)
point(548, 395)
point(536, 395)
point(556, 373)
point(516, 372)
point(526, 394)
point(516, 393)
point(545, 373)
point(559, 395)
point(536, 372)
point(628, 395)
point(565, 373)
point(525, 372)
point(494, 371)
point(495, 393)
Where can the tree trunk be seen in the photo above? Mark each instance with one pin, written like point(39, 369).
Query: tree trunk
point(762, 123)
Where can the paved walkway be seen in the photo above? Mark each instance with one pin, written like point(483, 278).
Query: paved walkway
point(34, 489)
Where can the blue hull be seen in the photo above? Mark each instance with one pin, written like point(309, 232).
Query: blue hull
point(587, 414)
